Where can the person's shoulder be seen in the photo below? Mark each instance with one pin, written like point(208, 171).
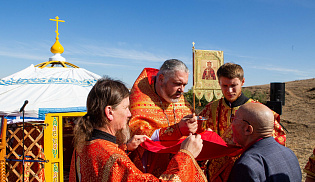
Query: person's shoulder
point(215, 102)
point(251, 156)
point(103, 146)
point(269, 146)
point(251, 161)
point(285, 149)
point(150, 71)
point(246, 168)
point(212, 104)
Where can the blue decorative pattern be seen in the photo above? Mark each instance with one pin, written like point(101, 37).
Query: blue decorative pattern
point(43, 111)
point(20, 81)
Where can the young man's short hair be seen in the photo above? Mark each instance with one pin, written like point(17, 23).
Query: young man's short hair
point(231, 70)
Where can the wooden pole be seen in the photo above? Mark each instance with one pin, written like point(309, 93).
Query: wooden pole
point(193, 58)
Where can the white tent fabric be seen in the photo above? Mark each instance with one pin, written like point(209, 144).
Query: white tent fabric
point(47, 90)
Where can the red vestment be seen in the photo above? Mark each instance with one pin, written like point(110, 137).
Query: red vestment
point(149, 113)
point(219, 116)
point(102, 160)
point(310, 166)
point(208, 74)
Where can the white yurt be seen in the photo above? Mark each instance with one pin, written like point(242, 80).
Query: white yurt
point(46, 89)
point(40, 104)
point(52, 86)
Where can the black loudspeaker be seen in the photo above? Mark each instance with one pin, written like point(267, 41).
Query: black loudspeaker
point(276, 106)
point(277, 92)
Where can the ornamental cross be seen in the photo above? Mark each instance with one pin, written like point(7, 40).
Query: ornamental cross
point(169, 131)
point(57, 20)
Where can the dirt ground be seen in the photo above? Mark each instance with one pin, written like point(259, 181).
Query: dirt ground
point(298, 116)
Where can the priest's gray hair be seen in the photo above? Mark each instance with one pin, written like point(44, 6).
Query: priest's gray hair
point(170, 66)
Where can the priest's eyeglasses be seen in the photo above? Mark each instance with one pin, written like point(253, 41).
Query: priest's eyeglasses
point(234, 118)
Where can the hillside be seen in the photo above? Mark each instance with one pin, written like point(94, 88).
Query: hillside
point(297, 116)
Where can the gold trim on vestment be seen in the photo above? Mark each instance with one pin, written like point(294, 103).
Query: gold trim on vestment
point(109, 164)
point(195, 163)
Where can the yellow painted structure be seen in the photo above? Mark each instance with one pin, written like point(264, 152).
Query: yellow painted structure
point(51, 64)
point(53, 146)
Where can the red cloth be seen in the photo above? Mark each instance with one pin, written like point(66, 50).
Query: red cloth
point(213, 146)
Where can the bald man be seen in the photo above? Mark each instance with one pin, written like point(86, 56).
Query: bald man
point(263, 159)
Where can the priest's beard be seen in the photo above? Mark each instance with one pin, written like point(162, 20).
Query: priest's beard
point(123, 135)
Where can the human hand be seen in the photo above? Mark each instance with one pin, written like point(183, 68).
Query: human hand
point(135, 141)
point(188, 124)
point(193, 143)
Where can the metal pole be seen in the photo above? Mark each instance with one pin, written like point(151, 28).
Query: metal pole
point(22, 110)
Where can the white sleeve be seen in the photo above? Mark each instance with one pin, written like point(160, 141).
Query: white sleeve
point(155, 135)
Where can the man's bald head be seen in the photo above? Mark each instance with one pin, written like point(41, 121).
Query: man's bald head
point(252, 121)
point(260, 117)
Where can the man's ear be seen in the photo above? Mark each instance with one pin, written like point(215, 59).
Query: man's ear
point(249, 130)
point(243, 81)
point(161, 78)
point(109, 112)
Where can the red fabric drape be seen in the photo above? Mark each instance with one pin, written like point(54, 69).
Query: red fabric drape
point(213, 146)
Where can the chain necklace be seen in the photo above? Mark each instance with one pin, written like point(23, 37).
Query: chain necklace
point(168, 121)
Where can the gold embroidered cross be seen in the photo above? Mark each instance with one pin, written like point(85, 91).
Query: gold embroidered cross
point(169, 131)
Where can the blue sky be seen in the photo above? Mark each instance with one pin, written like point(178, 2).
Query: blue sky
point(274, 41)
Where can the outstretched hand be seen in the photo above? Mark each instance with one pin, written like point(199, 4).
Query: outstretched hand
point(135, 141)
point(193, 143)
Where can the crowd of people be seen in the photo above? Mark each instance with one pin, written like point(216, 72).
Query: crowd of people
point(117, 121)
